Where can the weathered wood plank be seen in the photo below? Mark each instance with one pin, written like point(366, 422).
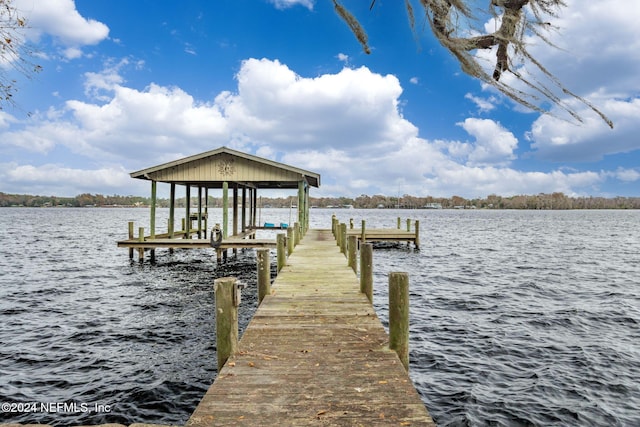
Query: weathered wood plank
point(231, 243)
point(315, 353)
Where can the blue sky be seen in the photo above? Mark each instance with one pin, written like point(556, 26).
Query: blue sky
point(128, 84)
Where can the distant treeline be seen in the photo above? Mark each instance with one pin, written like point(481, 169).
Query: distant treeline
point(539, 201)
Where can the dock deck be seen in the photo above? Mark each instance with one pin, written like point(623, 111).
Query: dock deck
point(229, 243)
point(315, 353)
point(383, 235)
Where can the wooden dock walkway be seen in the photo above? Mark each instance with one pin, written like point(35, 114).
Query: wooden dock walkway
point(315, 353)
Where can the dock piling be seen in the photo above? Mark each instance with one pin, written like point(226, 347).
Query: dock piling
point(264, 273)
point(281, 250)
point(416, 241)
point(297, 234)
point(290, 240)
point(366, 270)
point(334, 226)
point(130, 238)
point(343, 238)
point(399, 316)
point(352, 248)
point(141, 239)
point(227, 299)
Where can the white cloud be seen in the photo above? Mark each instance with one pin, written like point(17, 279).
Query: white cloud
point(347, 126)
point(156, 122)
point(591, 60)
point(354, 107)
point(600, 66)
point(101, 85)
point(61, 20)
point(6, 120)
point(51, 179)
point(286, 4)
point(494, 144)
point(560, 140)
point(483, 104)
point(414, 80)
point(627, 175)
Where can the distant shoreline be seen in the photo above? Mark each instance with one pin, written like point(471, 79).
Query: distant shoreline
point(553, 201)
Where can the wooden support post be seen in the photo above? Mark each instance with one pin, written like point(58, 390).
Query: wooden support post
point(227, 301)
point(281, 250)
point(235, 213)
point(206, 211)
point(170, 231)
point(172, 208)
point(366, 270)
point(188, 212)
point(141, 239)
point(290, 240)
point(416, 241)
point(408, 224)
point(363, 233)
point(199, 212)
point(225, 209)
point(398, 223)
point(343, 238)
point(235, 209)
point(254, 207)
point(152, 225)
point(301, 208)
point(250, 207)
point(334, 221)
point(264, 273)
point(244, 209)
point(399, 316)
point(130, 238)
point(297, 234)
point(184, 229)
point(306, 208)
point(353, 250)
point(351, 223)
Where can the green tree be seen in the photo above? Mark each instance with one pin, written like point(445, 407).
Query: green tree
point(459, 27)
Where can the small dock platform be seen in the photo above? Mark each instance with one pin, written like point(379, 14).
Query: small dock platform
point(230, 243)
point(183, 239)
point(342, 231)
point(315, 353)
point(383, 235)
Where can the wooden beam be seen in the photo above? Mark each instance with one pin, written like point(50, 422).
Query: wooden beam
point(172, 208)
point(188, 210)
point(152, 224)
point(244, 208)
point(225, 209)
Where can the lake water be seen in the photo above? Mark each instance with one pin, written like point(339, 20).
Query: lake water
point(517, 317)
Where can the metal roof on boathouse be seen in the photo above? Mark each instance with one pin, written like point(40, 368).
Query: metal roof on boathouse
point(210, 169)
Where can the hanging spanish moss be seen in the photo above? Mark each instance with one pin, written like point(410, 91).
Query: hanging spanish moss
point(460, 29)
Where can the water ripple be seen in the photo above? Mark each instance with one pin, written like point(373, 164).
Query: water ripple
point(517, 318)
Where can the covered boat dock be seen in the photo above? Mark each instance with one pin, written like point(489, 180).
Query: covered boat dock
point(227, 170)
